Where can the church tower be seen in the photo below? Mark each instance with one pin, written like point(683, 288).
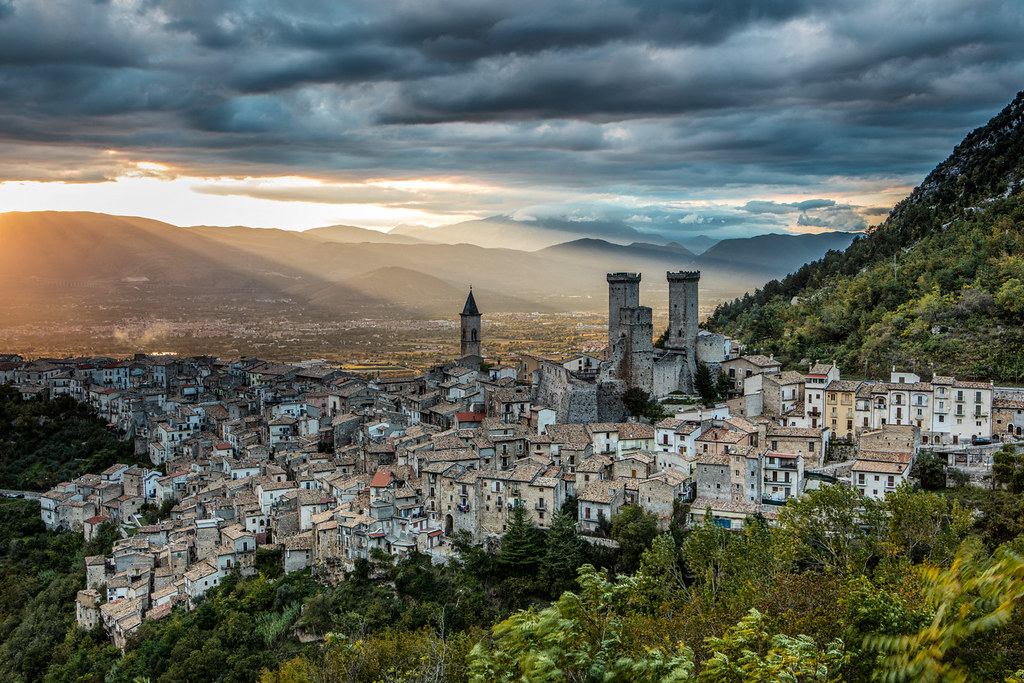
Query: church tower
point(470, 327)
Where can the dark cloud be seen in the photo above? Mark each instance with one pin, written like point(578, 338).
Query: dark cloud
point(657, 102)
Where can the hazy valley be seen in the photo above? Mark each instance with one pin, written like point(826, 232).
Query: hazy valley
point(84, 282)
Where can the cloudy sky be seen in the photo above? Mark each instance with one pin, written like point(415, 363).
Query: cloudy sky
point(724, 117)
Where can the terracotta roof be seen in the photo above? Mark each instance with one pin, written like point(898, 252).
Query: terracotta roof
point(636, 430)
point(760, 360)
point(718, 459)
point(880, 467)
point(600, 491)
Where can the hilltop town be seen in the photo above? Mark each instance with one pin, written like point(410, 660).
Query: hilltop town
point(317, 467)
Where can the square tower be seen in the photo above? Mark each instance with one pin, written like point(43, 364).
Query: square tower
point(623, 292)
point(682, 310)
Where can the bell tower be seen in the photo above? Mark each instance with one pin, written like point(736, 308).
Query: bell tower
point(470, 316)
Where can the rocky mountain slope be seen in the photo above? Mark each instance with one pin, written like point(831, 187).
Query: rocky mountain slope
point(938, 286)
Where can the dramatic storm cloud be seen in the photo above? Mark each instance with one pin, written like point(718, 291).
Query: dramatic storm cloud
point(732, 116)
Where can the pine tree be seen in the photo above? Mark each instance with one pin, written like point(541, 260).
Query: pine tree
point(521, 547)
point(705, 383)
point(564, 554)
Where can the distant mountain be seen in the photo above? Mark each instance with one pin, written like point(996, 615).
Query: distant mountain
point(698, 244)
point(779, 254)
point(81, 258)
point(589, 247)
point(349, 234)
point(506, 232)
point(939, 285)
point(408, 290)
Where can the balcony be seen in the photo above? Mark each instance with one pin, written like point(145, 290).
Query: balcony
point(782, 466)
point(540, 505)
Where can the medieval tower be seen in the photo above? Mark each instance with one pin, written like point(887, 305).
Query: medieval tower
point(470, 316)
point(682, 311)
point(623, 292)
point(630, 332)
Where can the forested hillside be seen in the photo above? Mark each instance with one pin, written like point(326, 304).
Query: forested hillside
point(46, 442)
point(939, 285)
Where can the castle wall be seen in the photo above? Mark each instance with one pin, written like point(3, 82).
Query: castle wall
point(610, 407)
point(574, 401)
point(671, 373)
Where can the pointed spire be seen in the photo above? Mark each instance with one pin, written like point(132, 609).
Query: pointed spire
point(470, 307)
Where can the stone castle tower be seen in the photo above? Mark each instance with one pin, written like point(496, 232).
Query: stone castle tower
point(623, 292)
point(682, 310)
point(470, 317)
point(632, 359)
point(630, 332)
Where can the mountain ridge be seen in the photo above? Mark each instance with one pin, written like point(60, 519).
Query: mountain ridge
point(939, 282)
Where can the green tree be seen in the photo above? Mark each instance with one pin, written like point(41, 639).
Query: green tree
point(723, 385)
point(635, 400)
point(521, 546)
point(931, 471)
point(581, 637)
point(639, 403)
point(1008, 469)
point(1010, 296)
point(835, 528)
point(924, 527)
point(748, 651)
point(635, 529)
point(563, 554)
point(870, 611)
point(705, 383)
point(660, 577)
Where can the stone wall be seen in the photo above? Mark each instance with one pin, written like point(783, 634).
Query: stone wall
point(575, 401)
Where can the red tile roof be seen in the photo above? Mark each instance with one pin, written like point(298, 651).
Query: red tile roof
point(381, 479)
